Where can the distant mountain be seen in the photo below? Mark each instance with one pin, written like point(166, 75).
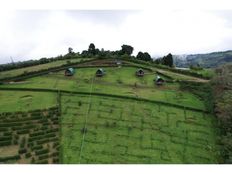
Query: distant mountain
point(209, 60)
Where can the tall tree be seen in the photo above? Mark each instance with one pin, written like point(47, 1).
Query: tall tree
point(127, 49)
point(70, 50)
point(143, 56)
point(168, 60)
point(92, 49)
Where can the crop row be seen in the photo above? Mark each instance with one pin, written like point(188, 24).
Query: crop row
point(37, 136)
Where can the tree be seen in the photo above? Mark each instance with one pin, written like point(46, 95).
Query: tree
point(92, 49)
point(139, 55)
point(147, 57)
point(144, 56)
point(70, 50)
point(127, 49)
point(168, 60)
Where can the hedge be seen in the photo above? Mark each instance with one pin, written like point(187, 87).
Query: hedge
point(41, 162)
point(4, 159)
point(36, 133)
point(42, 151)
point(37, 147)
point(22, 151)
point(28, 155)
point(24, 131)
point(5, 138)
point(5, 143)
point(42, 157)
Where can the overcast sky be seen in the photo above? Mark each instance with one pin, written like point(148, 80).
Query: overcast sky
point(32, 34)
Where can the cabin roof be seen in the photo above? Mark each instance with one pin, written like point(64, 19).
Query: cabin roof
point(139, 70)
point(71, 70)
point(100, 70)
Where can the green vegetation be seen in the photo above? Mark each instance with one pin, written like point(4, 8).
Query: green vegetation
point(119, 81)
point(21, 71)
point(222, 85)
point(206, 73)
point(108, 130)
point(29, 137)
point(116, 118)
point(12, 101)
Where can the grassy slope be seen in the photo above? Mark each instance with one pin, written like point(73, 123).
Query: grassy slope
point(12, 101)
point(122, 124)
point(119, 81)
point(127, 131)
point(16, 72)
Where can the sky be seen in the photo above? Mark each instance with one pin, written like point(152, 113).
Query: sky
point(33, 34)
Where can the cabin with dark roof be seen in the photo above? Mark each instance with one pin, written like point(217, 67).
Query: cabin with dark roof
point(100, 72)
point(139, 73)
point(69, 72)
point(159, 80)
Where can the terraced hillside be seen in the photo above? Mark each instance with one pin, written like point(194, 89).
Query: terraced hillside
point(117, 118)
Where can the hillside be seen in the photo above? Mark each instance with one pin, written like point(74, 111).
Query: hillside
point(210, 60)
point(115, 118)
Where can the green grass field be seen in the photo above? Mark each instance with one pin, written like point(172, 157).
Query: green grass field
point(118, 81)
point(101, 129)
point(12, 101)
point(20, 71)
point(128, 131)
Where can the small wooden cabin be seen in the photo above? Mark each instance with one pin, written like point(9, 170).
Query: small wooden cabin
point(139, 73)
point(69, 72)
point(159, 80)
point(100, 72)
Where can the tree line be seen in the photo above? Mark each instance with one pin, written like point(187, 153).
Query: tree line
point(125, 52)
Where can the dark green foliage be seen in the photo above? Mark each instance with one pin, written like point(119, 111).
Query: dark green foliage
point(222, 84)
point(42, 157)
point(21, 151)
point(4, 159)
point(143, 56)
point(41, 162)
point(202, 90)
point(5, 143)
point(38, 147)
point(28, 155)
point(168, 60)
point(126, 49)
point(92, 49)
point(42, 151)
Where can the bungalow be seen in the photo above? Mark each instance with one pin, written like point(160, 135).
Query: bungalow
point(159, 80)
point(139, 73)
point(100, 72)
point(69, 72)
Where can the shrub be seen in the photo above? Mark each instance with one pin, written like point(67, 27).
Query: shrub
point(42, 151)
point(5, 143)
point(4, 159)
point(42, 157)
point(41, 162)
point(38, 147)
point(28, 155)
point(21, 151)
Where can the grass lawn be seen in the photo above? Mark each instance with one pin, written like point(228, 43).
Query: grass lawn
point(128, 131)
point(15, 72)
point(119, 81)
point(12, 101)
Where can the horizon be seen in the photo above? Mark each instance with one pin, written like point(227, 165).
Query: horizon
point(34, 34)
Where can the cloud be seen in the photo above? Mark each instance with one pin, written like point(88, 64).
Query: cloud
point(32, 34)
